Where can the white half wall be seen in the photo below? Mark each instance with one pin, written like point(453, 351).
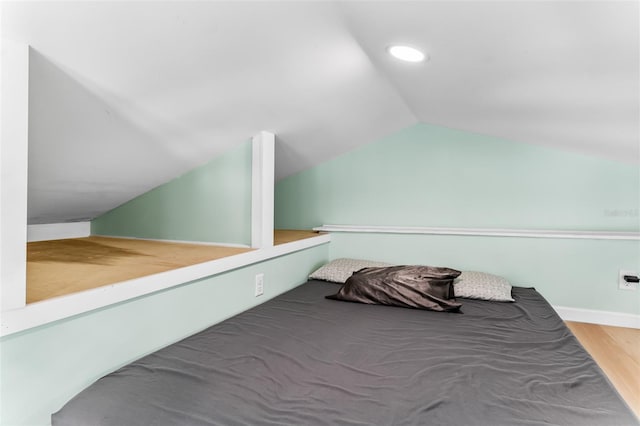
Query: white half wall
point(14, 113)
point(58, 231)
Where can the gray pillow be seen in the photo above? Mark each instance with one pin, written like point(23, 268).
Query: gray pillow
point(339, 270)
point(483, 286)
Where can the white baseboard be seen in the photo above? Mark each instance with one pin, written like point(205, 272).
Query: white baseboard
point(598, 317)
point(58, 231)
point(201, 243)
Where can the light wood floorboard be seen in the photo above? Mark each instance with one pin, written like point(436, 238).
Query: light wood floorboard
point(282, 236)
point(617, 352)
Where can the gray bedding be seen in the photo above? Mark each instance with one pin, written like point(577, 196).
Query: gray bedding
point(301, 359)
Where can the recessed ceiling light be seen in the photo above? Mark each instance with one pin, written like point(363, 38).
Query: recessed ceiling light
point(407, 53)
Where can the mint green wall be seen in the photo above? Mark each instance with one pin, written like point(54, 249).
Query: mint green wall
point(211, 203)
point(44, 367)
point(571, 273)
point(433, 176)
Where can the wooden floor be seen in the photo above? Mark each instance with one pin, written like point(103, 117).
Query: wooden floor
point(56, 268)
point(282, 236)
point(60, 267)
point(617, 352)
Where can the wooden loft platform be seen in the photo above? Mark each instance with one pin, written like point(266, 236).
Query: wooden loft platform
point(61, 267)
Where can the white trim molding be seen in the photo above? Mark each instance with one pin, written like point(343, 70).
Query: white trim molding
point(591, 316)
point(262, 189)
point(46, 311)
point(58, 231)
point(199, 243)
point(14, 115)
point(487, 232)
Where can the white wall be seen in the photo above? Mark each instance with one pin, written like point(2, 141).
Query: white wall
point(13, 171)
point(58, 231)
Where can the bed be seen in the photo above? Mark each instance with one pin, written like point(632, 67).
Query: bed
point(301, 359)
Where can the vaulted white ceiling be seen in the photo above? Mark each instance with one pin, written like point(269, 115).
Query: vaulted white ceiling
point(125, 96)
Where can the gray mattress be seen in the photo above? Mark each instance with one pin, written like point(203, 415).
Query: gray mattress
point(301, 359)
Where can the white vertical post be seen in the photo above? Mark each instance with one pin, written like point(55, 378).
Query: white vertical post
point(14, 116)
point(262, 189)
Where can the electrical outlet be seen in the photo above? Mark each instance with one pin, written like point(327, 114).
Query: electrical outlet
point(623, 285)
point(259, 284)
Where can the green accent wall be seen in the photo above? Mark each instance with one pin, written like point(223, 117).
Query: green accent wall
point(571, 273)
point(434, 176)
point(44, 367)
point(211, 203)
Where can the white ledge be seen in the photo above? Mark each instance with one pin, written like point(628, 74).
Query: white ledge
point(487, 232)
point(46, 311)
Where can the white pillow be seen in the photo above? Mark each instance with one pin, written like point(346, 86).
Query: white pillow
point(339, 270)
point(483, 286)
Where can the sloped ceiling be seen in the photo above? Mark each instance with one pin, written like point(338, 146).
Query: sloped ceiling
point(125, 96)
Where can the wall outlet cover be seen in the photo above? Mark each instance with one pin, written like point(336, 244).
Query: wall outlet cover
point(259, 285)
point(622, 284)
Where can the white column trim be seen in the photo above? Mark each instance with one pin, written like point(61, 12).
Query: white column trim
point(262, 189)
point(14, 135)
